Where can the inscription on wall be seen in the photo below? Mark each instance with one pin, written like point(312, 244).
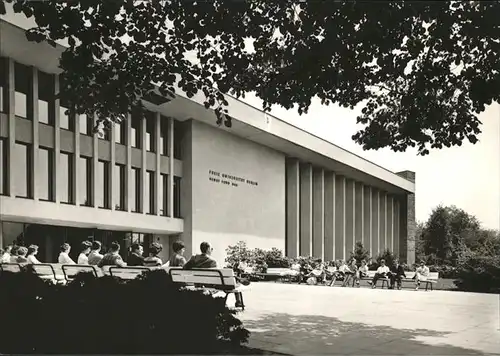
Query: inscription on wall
point(228, 179)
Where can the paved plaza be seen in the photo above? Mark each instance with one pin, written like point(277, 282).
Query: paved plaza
point(312, 320)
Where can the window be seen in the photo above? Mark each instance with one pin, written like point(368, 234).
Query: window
point(135, 135)
point(22, 78)
point(44, 177)
point(45, 98)
point(65, 188)
point(3, 167)
point(177, 139)
point(102, 185)
point(149, 202)
point(136, 190)
point(177, 197)
point(66, 121)
point(120, 132)
point(164, 135)
point(84, 183)
point(163, 197)
point(119, 187)
point(85, 125)
point(150, 131)
point(22, 173)
point(4, 93)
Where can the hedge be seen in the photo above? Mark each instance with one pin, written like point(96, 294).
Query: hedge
point(149, 315)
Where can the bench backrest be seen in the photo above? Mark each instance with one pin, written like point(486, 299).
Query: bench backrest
point(127, 272)
point(433, 275)
point(277, 271)
point(223, 278)
point(70, 271)
point(10, 267)
point(44, 270)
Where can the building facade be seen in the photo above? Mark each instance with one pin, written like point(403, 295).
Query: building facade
point(174, 174)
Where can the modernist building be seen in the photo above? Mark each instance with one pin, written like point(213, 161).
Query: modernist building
point(174, 174)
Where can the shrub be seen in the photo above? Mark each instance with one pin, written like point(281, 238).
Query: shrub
point(148, 315)
point(387, 255)
point(238, 252)
point(479, 274)
point(360, 253)
point(275, 259)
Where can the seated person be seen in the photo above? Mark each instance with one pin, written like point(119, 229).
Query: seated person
point(5, 256)
point(112, 258)
point(64, 258)
point(32, 252)
point(362, 272)
point(95, 254)
point(339, 272)
point(318, 271)
point(202, 260)
point(350, 273)
point(177, 259)
point(421, 274)
point(21, 255)
point(84, 251)
point(396, 273)
point(153, 260)
point(135, 258)
point(382, 272)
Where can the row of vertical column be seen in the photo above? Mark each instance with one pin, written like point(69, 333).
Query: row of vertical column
point(326, 214)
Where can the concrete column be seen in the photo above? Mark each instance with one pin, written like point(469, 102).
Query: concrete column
point(36, 137)
point(129, 192)
point(95, 166)
point(340, 213)
point(408, 224)
point(57, 143)
point(367, 217)
point(171, 172)
point(350, 218)
point(382, 221)
point(390, 242)
point(112, 174)
point(319, 213)
point(396, 228)
point(1, 235)
point(306, 179)
point(76, 162)
point(359, 230)
point(187, 188)
point(329, 216)
point(158, 180)
point(142, 205)
point(11, 114)
point(292, 207)
point(375, 223)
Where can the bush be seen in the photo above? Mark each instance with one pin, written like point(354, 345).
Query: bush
point(258, 257)
point(275, 259)
point(148, 315)
point(360, 253)
point(479, 274)
point(387, 255)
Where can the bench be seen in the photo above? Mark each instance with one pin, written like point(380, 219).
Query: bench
point(46, 271)
point(209, 279)
point(431, 279)
point(70, 271)
point(276, 273)
point(10, 267)
point(127, 273)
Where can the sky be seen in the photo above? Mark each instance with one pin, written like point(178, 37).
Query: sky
point(467, 176)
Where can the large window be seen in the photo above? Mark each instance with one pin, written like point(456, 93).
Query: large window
point(84, 181)
point(22, 158)
point(135, 134)
point(178, 134)
point(4, 93)
point(44, 176)
point(85, 125)
point(45, 98)
point(150, 131)
point(177, 197)
point(23, 79)
point(3, 166)
point(149, 202)
point(120, 132)
point(164, 135)
point(102, 185)
point(119, 187)
point(136, 190)
point(163, 197)
point(65, 188)
point(66, 121)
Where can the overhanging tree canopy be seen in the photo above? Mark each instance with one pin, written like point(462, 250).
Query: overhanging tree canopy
point(421, 70)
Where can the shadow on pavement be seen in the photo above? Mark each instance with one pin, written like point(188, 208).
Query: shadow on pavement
point(314, 335)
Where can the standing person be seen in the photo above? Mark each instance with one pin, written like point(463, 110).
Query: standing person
point(64, 258)
point(177, 259)
point(112, 258)
point(32, 252)
point(153, 260)
point(202, 260)
point(95, 255)
point(135, 258)
point(396, 273)
point(84, 251)
point(382, 272)
point(422, 273)
point(5, 258)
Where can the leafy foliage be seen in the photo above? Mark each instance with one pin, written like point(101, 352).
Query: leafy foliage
point(386, 255)
point(106, 316)
point(479, 274)
point(258, 257)
point(421, 71)
point(360, 253)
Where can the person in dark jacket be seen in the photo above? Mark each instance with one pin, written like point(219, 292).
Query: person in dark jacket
point(135, 258)
point(112, 258)
point(202, 260)
point(396, 273)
